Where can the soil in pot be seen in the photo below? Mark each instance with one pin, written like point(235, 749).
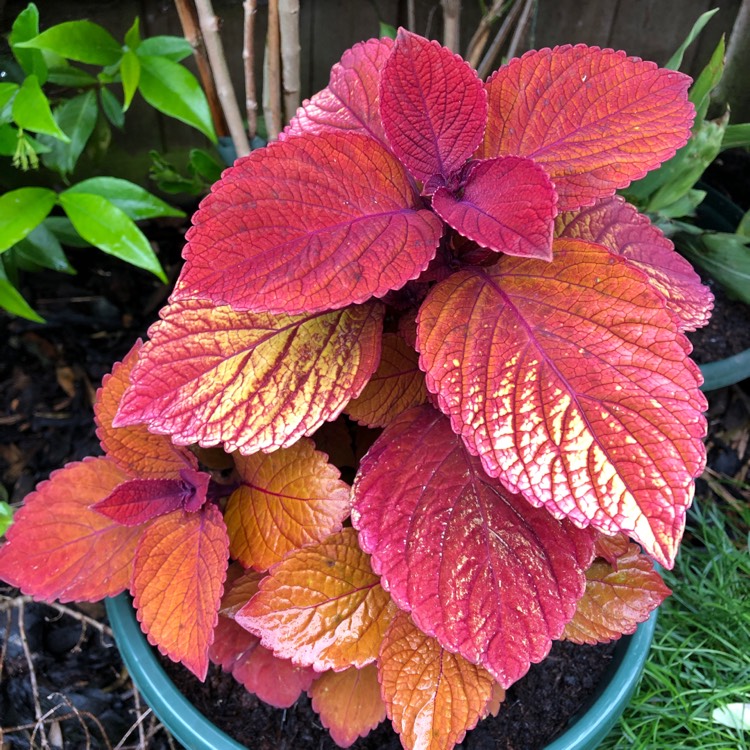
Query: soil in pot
point(536, 709)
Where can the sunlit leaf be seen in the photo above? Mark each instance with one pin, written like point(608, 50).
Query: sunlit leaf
point(353, 228)
point(178, 578)
point(322, 606)
point(432, 696)
point(617, 598)
point(58, 548)
point(572, 384)
point(348, 703)
point(480, 569)
point(251, 381)
point(594, 119)
point(21, 211)
point(82, 41)
point(287, 499)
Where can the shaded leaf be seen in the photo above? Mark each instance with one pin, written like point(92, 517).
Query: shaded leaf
point(397, 385)
point(351, 101)
point(175, 48)
point(287, 499)
point(82, 41)
point(481, 570)
point(432, 696)
point(433, 106)
point(58, 548)
point(41, 247)
point(178, 578)
point(507, 205)
point(594, 119)
point(251, 381)
point(322, 606)
point(571, 383)
point(12, 300)
point(617, 598)
point(25, 27)
point(619, 227)
point(353, 228)
point(348, 703)
point(21, 211)
point(76, 117)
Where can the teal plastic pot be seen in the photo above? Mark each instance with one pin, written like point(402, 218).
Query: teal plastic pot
point(196, 732)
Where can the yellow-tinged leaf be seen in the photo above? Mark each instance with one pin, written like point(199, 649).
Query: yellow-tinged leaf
point(180, 567)
point(287, 499)
point(322, 606)
point(397, 385)
point(349, 703)
point(432, 696)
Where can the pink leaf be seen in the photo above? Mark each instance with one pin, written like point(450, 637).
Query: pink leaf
point(309, 224)
point(595, 119)
point(620, 228)
point(252, 381)
point(507, 205)
point(480, 569)
point(433, 106)
point(351, 101)
point(571, 383)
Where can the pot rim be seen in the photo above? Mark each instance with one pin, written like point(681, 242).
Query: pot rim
point(195, 731)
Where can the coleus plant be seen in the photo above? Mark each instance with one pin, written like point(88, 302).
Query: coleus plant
point(445, 260)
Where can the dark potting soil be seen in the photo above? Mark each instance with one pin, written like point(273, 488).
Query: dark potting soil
point(536, 709)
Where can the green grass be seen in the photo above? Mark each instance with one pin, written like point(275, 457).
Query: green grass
point(700, 657)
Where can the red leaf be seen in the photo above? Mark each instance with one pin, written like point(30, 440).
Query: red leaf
point(620, 228)
point(397, 385)
point(321, 606)
point(433, 106)
point(349, 703)
point(433, 697)
point(507, 205)
point(134, 448)
point(351, 101)
point(250, 381)
point(58, 548)
point(617, 598)
point(288, 499)
point(595, 119)
point(352, 228)
point(571, 383)
point(180, 566)
point(480, 569)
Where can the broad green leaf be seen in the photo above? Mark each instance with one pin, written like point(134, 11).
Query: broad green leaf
point(675, 61)
point(133, 35)
point(736, 136)
point(76, 118)
point(684, 206)
point(25, 27)
point(174, 91)
point(31, 110)
point(67, 75)
point(130, 72)
point(130, 198)
point(42, 247)
point(12, 301)
point(112, 107)
point(174, 48)
point(110, 229)
point(8, 139)
point(20, 211)
point(61, 227)
point(700, 91)
point(82, 41)
point(204, 165)
point(387, 31)
point(7, 92)
point(6, 517)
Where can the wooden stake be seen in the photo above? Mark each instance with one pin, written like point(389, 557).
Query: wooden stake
point(248, 57)
point(451, 24)
point(272, 73)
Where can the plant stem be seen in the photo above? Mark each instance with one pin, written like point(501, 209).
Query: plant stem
point(272, 73)
point(733, 86)
point(452, 24)
point(290, 55)
point(209, 24)
point(411, 15)
point(248, 57)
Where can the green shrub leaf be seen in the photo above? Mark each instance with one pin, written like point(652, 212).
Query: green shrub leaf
point(133, 35)
point(6, 516)
point(76, 118)
point(31, 110)
point(82, 41)
point(174, 48)
point(112, 107)
point(130, 198)
point(21, 211)
point(130, 72)
point(25, 27)
point(12, 301)
point(42, 247)
point(67, 75)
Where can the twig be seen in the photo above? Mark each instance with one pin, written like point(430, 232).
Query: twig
point(411, 15)
point(191, 30)
point(272, 73)
point(488, 61)
point(482, 33)
point(8, 602)
point(451, 24)
point(248, 57)
point(137, 725)
point(209, 24)
point(290, 55)
point(32, 678)
point(515, 43)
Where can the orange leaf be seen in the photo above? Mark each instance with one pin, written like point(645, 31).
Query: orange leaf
point(349, 703)
point(433, 696)
point(58, 548)
point(134, 448)
point(180, 566)
point(617, 598)
point(239, 588)
point(321, 606)
point(397, 385)
point(288, 499)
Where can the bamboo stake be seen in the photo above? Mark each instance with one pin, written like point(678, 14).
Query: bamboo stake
point(451, 24)
point(209, 25)
point(488, 61)
point(482, 33)
point(290, 55)
point(248, 58)
point(411, 15)
point(515, 43)
point(272, 73)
